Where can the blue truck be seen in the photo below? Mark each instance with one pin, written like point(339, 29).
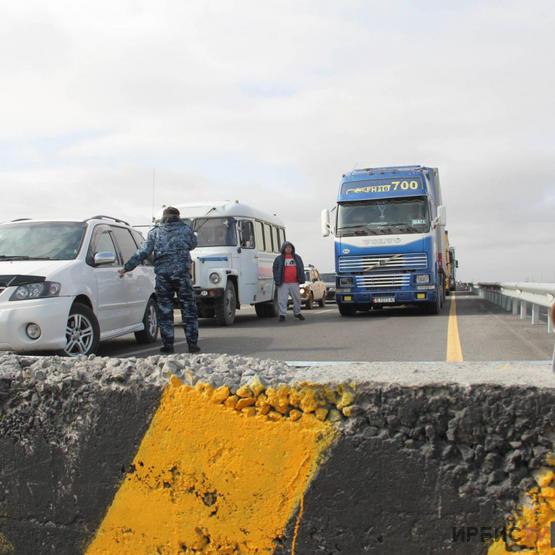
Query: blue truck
point(389, 226)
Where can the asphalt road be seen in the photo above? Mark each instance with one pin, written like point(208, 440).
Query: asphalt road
point(485, 332)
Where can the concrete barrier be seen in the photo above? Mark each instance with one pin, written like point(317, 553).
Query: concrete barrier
point(229, 455)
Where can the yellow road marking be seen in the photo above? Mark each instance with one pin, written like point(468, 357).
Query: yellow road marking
point(454, 350)
point(209, 479)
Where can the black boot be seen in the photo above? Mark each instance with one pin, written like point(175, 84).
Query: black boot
point(167, 350)
point(194, 348)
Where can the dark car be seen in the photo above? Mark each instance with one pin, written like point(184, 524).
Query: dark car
point(329, 280)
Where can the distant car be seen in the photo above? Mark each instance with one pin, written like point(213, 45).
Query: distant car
point(313, 289)
point(60, 289)
point(329, 280)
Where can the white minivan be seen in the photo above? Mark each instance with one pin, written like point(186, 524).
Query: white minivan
point(60, 290)
point(232, 264)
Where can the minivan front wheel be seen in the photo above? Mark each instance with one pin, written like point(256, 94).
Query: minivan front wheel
point(82, 332)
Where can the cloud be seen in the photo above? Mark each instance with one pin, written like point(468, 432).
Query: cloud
point(271, 102)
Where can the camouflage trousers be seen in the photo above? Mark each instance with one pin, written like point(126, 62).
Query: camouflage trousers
point(166, 286)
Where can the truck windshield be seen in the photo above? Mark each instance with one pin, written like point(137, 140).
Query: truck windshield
point(215, 232)
point(41, 240)
point(383, 217)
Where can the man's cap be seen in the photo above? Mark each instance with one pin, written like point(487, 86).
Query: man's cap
point(170, 211)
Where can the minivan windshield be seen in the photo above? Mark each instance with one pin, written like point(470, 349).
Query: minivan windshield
point(383, 217)
point(41, 240)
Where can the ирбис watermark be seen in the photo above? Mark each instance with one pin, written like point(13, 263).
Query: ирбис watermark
point(489, 534)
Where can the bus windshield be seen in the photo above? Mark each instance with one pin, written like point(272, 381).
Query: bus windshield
point(214, 232)
point(383, 217)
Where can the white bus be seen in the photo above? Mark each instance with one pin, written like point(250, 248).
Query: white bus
point(232, 264)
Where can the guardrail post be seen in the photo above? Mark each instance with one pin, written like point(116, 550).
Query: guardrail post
point(535, 314)
point(551, 318)
point(515, 307)
point(523, 310)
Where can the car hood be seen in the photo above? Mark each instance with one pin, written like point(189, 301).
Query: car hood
point(45, 268)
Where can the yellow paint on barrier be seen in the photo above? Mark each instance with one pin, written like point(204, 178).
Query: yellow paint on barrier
point(210, 479)
point(454, 349)
point(530, 534)
point(6, 548)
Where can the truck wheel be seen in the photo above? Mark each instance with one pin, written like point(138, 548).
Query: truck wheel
point(309, 302)
point(435, 306)
point(82, 332)
point(150, 323)
point(346, 309)
point(226, 306)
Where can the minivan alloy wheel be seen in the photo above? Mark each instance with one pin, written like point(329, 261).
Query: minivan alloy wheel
point(79, 335)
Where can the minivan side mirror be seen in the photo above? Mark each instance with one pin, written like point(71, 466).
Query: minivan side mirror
point(104, 257)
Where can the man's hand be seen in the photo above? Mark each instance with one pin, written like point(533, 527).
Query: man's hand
point(121, 273)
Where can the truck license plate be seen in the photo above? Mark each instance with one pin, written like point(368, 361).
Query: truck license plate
point(383, 300)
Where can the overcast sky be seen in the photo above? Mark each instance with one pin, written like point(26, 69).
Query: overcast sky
point(270, 102)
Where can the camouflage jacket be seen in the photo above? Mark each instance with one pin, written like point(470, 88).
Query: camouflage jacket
point(169, 243)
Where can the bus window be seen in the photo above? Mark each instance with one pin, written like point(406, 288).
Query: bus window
point(275, 239)
point(281, 237)
point(268, 238)
point(247, 234)
point(259, 235)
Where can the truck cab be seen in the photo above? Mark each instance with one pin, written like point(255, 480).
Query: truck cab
point(389, 231)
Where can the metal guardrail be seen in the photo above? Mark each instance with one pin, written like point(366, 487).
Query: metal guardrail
point(519, 297)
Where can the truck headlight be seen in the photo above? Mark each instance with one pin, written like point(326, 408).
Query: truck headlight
point(346, 282)
point(36, 291)
point(422, 278)
point(215, 278)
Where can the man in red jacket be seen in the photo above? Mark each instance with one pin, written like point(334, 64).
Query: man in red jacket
point(288, 275)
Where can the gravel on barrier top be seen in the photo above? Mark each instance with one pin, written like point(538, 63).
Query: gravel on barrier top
point(237, 370)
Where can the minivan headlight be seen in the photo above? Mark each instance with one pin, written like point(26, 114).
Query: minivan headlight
point(214, 277)
point(36, 291)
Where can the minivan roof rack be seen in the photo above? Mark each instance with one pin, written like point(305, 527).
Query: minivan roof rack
point(101, 217)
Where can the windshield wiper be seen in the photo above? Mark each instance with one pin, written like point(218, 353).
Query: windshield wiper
point(22, 257)
point(409, 228)
point(361, 229)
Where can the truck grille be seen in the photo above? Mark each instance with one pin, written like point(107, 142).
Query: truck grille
point(377, 281)
point(363, 263)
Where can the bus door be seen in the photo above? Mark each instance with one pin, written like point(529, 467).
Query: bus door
point(248, 280)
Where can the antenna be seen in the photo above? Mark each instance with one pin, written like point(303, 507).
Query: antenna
point(153, 191)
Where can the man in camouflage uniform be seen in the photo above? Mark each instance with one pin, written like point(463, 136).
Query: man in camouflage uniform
point(170, 243)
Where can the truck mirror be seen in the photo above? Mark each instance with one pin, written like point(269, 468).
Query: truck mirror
point(325, 222)
point(441, 215)
point(456, 263)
